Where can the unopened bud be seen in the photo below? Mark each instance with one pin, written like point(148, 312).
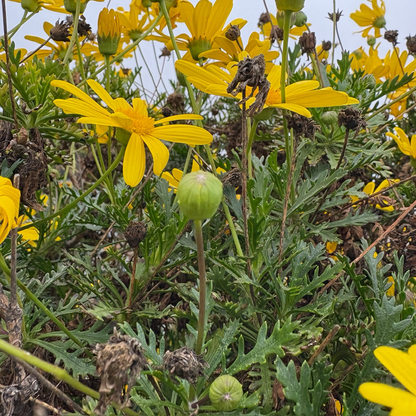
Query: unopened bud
point(371, 40)
point(290, 5)
point(199, 194)
point(301, 19)
point(329, 118)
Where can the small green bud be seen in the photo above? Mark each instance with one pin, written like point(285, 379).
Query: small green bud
point(293, 5)
point(329, 118)
point(301, 19)
point(371, 40)
point(280, 16)
point(225, 393)
point(146, 3)
point(199, 194)
point(370, 81)
point(71, 6)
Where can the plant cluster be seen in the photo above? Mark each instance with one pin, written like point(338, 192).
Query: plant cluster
point(238, 240)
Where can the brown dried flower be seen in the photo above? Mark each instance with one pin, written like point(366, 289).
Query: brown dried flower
point(307, 42)
point(60, 32)
point(338, 15)
point(165, 52)
point(263, 19)
point(135, 233)
point(302, 126)
point(119, 363)
point(411, 44)
point(276, 33)
point(233, 33)
point(326, 45)
point(351, 119)
point(184, 363)
point(391, 36)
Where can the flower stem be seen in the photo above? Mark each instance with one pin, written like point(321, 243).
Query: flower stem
point(74, 33)
point(334, 26)
point(81, 197)
point(252, 133)
point(286, 29)
point(202, 285)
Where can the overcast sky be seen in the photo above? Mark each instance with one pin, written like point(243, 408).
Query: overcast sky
point(400, 14)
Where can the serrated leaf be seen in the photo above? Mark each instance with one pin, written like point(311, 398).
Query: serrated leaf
point(264, 346)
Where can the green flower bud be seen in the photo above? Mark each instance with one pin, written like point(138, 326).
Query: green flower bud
point(146, 3)
point(199, 194)
point(293, 5)
point(71, 6)
point(371, 40)
point(280, 16)
point(379, 22)
point(225, 393)
point(301, 19)
point(370, 81)
point(30, 5)
point(329, 118)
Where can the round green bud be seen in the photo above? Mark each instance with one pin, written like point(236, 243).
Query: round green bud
point(199, 194)
point(371, 40)
point(293, 5)
point(146, 3)
point(225, 393)
point(301, 19)
point(370, 81)
point(71, 6)
point(379, 22)
point(329, 118)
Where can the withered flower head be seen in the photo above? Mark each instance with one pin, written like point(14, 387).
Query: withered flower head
point(276, 33)
point(135, 233)
point(176, 102)
point(250, 73)
point(263, 19)
point(167, 111)
point(84, 29)
point(391, 36)
point(302, 126)
point(351, 119)
point(233, 33)
point(60, 32)
point(119, 363)
point(307, 42)
point(338, 15)
point(326, 45)
point(411, 44)
point(165, 52)
point(184, 363)
point(233, 177)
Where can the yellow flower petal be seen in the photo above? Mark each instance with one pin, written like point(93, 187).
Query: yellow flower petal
point(159, 152)
point(177, 133)
point(179, 117)
point(134, 161)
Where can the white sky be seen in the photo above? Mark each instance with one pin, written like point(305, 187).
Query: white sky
point(400, 15)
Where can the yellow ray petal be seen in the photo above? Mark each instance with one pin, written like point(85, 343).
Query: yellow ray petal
point(179, 117)
point(102, 93)
point(227, 45)
point(75, 106)
point(219, 13)
point(186, 12)
point(200, 18)
point(140, 106)
point(159, 152)
point(177, 133)
point(134, 162)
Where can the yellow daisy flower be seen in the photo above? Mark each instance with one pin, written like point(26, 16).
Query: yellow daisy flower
point(406, 146)
point(369, 189)
point(136, 123)
point(299, 96)
point(9, 207)
point(370, 18)
point(133, 22)
point(228, 51)
point(403, 366)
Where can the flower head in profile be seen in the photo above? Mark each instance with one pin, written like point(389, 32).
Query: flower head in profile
point(9, 207)
point(299, 96)
point(406, 146)
point(133, 22)
point(134, 127)
point(381, 202)
point(370, 18)
point(403, 366)
point(109, 31)
point(36, 5)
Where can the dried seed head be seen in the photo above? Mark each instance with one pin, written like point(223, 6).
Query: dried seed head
point(233, 33)
point(184, 363)
point(276, 33)
point(411, 44)
point(307, 42)
point(338, 15)
point(233, 177)
point(60, 32)
point(119, 363)
point(135, 233)
point(326, 45)
point(263, 19)
point(84, 29)
point(167, 111)
point(176, 102)
point(302, 126)
point(391, 36)
point(351, 119)
point(165, 52)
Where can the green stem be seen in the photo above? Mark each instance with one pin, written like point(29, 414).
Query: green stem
point(81, 197)
point(334, 26)
point(81, 63)
point(286, 29)
point(202, 285)
point(41, 306)
point(252, 134)
point(74, 32)
point(107, 73)
point(24, 19)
